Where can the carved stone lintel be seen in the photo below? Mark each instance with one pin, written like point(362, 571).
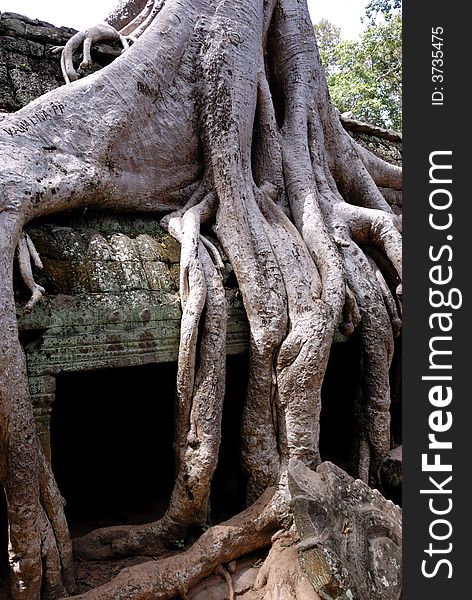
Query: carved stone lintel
point(350, 535)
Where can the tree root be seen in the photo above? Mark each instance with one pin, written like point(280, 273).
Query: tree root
point(51, 499)
point(351, 314)
point(225, 573)
point(307, 290)
point(130, 32)
point(376, 336)
point(165, 578)
point(392, 308)
point(200, 393)
point(295, 206)
point(142, 21)
point(90, 36)
point(281, 576)
point(383, 173)
point(27, 254)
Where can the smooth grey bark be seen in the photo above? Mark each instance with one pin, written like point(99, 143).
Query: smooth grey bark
point(218, 116)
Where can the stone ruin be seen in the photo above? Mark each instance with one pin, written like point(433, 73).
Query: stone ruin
point(112, 303)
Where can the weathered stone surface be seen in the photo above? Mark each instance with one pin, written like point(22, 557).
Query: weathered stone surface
point(350, 534)
point(43, 390)
point(95, 255)
point(111, 296)
point(391, 474)
point(244, 580)
point(27, 67)
point(214, 588)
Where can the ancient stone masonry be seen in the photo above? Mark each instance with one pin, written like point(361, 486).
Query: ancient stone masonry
point(112, 301)
point(350, 535)
point(28, 69)
point(199, 197)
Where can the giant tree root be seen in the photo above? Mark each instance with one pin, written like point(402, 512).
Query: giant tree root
point(169, 577)
point(200, 394)
point(281, 576)
point(219, 114)
point(345, 539)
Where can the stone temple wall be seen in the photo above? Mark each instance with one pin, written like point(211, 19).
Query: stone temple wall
point(28, 69)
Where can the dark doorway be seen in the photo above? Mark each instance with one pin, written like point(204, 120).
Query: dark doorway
point(112, 438)
point(337, 421)
point(112, 444)
point(228, 487)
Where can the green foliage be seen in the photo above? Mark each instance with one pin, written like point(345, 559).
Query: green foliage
point(386, 8)
point(365, 76)
point(328, 37)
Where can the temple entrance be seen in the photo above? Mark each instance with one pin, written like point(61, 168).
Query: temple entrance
point(111, 441)
point(337, 420)
point(228, 488)
point(112, 444)
point(112, 438)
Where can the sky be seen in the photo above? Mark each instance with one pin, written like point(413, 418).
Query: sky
point(84, 13)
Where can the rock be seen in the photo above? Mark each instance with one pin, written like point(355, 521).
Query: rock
point(211, 588)
point(391, 475)
point(244, 580)
point(215, 588)
point(27, 67)
point(350, 535)
point(101, 254)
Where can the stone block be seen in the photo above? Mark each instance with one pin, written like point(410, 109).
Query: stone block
point(211, 588)
point(158, 276)
point(57, 242)
point(107, 276)
point(134, 275)
point(350, 534)
point(68, 276)
point(99, 249)
point(244, 580)
point(123, 248)
point(147, 247)
point(169, 249)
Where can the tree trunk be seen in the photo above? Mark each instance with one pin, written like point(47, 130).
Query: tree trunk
point(218, 116)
